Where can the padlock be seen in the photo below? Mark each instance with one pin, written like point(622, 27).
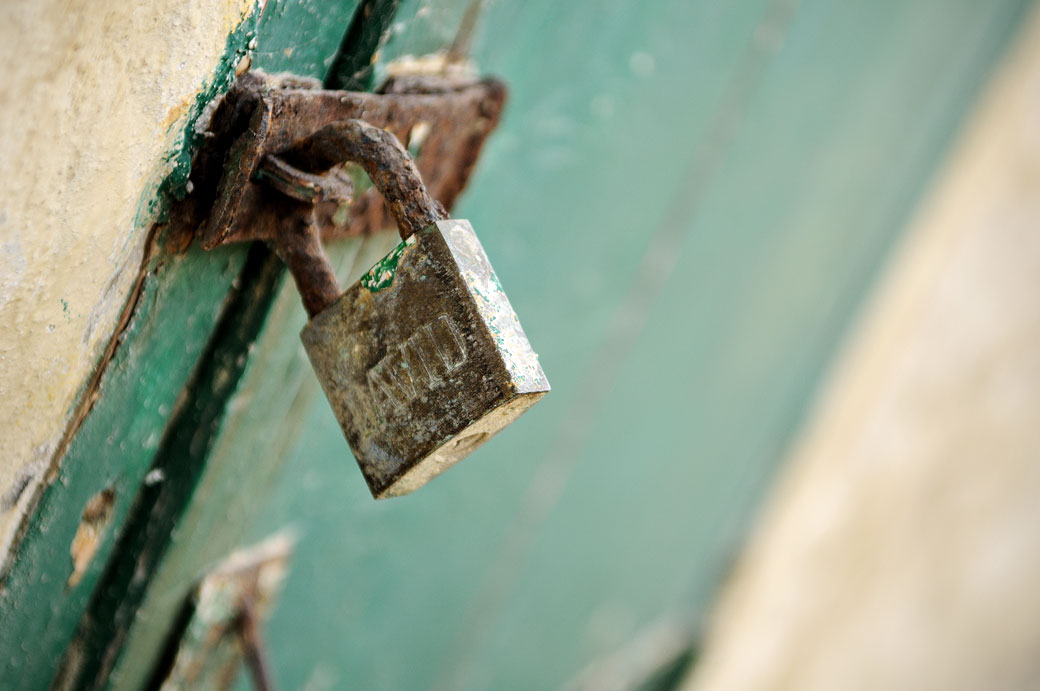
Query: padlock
point(423, 359)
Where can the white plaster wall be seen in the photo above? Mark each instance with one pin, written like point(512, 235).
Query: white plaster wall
point(902, 548)
point(92, 95)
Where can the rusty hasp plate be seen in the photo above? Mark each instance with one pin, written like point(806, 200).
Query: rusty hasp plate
point(423, 359)
point(443, 123)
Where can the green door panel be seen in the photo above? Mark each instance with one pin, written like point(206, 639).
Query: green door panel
point(686, 202)
point(247, 457)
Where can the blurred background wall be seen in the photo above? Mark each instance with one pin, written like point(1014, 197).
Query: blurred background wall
point(899, 550)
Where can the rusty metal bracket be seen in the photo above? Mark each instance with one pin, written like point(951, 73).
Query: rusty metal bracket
point(242, 186)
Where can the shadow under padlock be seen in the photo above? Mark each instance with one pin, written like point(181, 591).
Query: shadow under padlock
point(423, 359)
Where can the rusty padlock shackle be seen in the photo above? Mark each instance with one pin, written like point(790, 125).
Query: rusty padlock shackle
point(393, 173)
point(387, 162)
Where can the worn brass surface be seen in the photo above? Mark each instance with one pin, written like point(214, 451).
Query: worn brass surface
point(423, 359)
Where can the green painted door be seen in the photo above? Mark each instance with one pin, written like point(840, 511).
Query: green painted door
point(686, 202)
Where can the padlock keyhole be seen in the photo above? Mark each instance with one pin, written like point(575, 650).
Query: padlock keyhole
point(465, 444)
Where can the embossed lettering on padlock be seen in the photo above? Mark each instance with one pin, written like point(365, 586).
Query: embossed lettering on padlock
point(423, 359)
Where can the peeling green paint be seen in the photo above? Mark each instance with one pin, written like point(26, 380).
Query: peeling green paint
point(237, 47)
point(381, 276)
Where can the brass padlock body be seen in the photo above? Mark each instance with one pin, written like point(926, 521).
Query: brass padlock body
point(423, 359)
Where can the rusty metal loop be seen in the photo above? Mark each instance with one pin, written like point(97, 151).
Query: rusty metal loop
point(383, 158)
point(302, 186)
point(299, 245)
point(391, 170)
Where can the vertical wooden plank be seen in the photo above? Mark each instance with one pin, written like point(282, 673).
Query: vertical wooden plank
point(247, 457)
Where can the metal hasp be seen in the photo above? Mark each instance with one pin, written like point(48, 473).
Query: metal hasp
point(423, 359)
point(442, 121)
